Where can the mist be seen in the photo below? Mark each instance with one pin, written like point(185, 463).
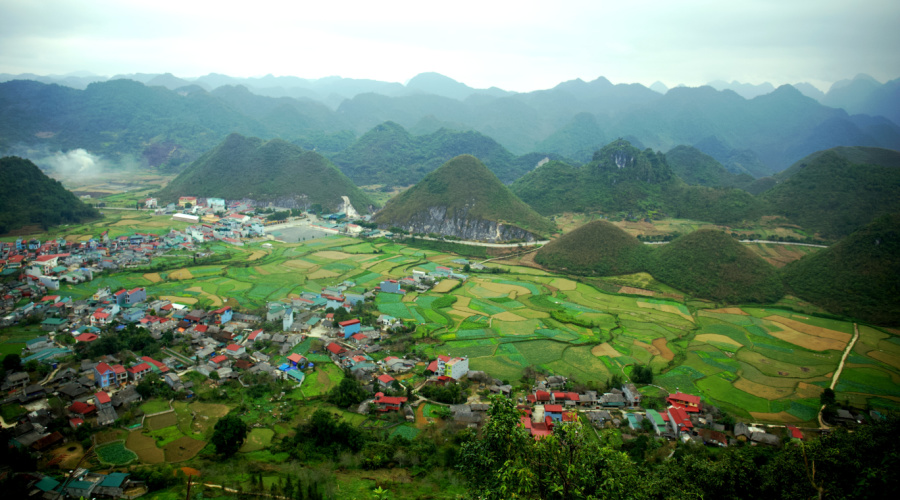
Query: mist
point(76, 166)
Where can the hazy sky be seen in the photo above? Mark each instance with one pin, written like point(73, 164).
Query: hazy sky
point(520, 45)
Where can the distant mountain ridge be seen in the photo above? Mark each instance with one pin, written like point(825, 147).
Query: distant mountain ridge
point(572, 119)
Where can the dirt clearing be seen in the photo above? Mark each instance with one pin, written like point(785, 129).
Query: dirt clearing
point(664, 350)
point(636, 291)
point(153, 277)
point(605, 349)
point(256, 255)
point(181, 274)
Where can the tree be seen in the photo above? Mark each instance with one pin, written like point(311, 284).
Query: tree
point(12, 362)
point(642, 374)
point(229, 434)
point(827, 398)
point(348, 393)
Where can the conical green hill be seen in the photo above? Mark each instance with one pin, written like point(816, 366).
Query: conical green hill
point(596, 248)
point(855, 277)
point(248, 167)
point(711, 264)
point(464, 199)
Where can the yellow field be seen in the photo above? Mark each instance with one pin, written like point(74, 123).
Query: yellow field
point(715, 337)
point(508, 316)
point(563, 284)
point(760, 390)
point(728, 310)
point(258, 254)
point(665, 308)
point(885, 357)
point(817, 331)
point(179, 300)
point(153, 277)
point(512, 291)
point(323, 273)
point(445, 286)
point(663, 349)
point(298, 264)
point(605, 349)
point(216, 301)
point(410, 297)
point(181, 274)
point(462, 305)
point(809, 341)
point(805, 390)
point(333, 255)
point(635, 291)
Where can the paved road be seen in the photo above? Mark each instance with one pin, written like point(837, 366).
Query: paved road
point(491, 245)
point(754, 241)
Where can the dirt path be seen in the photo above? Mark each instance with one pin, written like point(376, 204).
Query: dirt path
point(837, 373)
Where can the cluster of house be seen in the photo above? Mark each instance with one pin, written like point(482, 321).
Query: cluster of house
point(83, 483)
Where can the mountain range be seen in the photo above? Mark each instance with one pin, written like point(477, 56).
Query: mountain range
point(171, 128)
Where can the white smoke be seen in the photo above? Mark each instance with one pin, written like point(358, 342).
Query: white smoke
point(74, 163)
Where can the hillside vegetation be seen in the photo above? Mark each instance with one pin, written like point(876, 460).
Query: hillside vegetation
point(463, 189)
point(389, 155)
point(856, 277)
point(711, 264)
point(623, 179)
point(698, 168)
point(28, 196)
point(830, 194)
point(248, 167)
point(596, 248)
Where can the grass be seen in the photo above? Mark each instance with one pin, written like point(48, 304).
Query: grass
point(154, 406)
point(258, 439)
point(115, 454)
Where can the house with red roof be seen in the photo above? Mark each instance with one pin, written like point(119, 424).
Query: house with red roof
point(86, 337)
point(388, 403)
point(794, 432)
point(218, 361)
point(234, 350)
point(359, 338)
point(686, 402)
point(102, 399)
point(297, 359)
point(104, 375)
point(335, 349)
point(385, 380)
point(162, 368)
point(349, 327)
point(679, 419)
point(81, 409)
point(539, 397)
point(137, 372)
point(554, 412)
point(121, 374)
point(253, 335)
point(101, 318)
point(222, 316)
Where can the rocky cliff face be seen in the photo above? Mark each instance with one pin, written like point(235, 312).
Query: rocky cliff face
point(437, 220)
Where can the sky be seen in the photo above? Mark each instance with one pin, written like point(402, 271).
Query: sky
point(520, 46)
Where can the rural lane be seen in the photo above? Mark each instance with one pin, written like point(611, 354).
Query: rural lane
point(837, 373)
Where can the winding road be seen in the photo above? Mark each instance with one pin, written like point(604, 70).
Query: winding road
point(837, 373)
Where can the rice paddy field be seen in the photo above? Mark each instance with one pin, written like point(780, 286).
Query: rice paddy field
point(759, 363)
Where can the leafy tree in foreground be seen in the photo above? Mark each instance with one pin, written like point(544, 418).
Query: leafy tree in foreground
point(229, 434)
point(348, 393)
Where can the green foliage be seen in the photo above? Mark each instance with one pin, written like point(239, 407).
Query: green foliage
point(28, 196)
point(324, 435)
point(856, 276)
point(830, 194)
point(642, 374)
point(466, 189)
point(229, 434)
point(711, 265)
point(248, 167)
point(597, 248)
point(347, 393)
point(390, 155)
point(451, 393)
point(697, 168)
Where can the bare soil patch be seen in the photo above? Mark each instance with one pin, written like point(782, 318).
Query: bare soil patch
point(664, 350)
point(183, 448)
point(605, 349)
point(635, 291)
point(647, 347)
point(145, 447)
point(807, 341)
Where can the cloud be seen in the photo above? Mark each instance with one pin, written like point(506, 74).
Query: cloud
point(73, 163)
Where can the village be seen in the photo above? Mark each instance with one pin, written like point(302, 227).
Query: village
point(287, 344)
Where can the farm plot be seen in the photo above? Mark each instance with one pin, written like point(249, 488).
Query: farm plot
point(158, 422)
point(322, 380)
point(145, 447)
point(183, 448)
point(258, 439)
point(115, 454)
